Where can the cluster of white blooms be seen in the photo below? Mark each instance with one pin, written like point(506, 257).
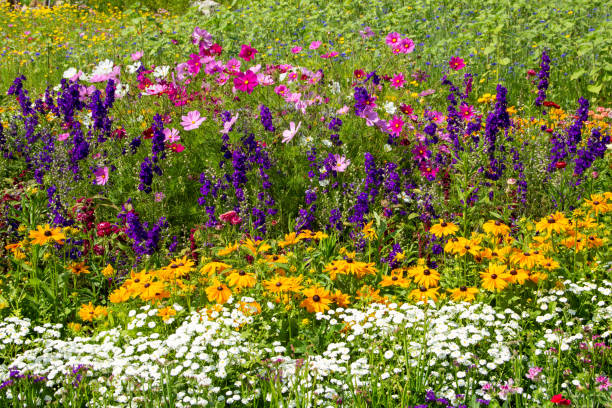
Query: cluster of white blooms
point(213, 359)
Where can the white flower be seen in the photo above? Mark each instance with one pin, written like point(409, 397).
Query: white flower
point(161, 71)
point(69, 73)
point(390, 108)
point(104, 67)
point(388, 354)
point(122, 90)
point(134, 67)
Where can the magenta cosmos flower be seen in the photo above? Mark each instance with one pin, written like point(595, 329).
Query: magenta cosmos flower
point(296, 50)
point(393, 39)
point(456, 63)
point(396, 125)
point(397, 81)
point(246, 82)
point(407, 45)
point(192, 120)
point(101, 175)
point(247, 52)
point(466, 112)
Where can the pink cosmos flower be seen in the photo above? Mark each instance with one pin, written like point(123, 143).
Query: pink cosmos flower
point(63, 136)
point(101, 175)
point(159, 196)
point(456, 63)
point(171, 135)
point(246, 82)
point(340, 163)
point(192, 120)
point(290, 133)
point(396, 125)
point(397, 81)
point(137, 55)
point(393, 39)
point(407, 45)
point(397, 49)
point(227, 126)
point(343, 110)
point(247, 52)
point(105, 77)
point(230, 217)
point(314, 45)
point(466, 112)
point(156, 89)
point(428, 171)
point(280, 90)
point(222, 78)
point(233, 65)
point(367, 33)
point(296, 50)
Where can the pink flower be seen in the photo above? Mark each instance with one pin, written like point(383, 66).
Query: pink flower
point(397, 81)
point(396, 125)
point(280, 90)
point(101, 175)
point(456, 63)
point(171, 135)
point(192, 120)
point(343, 110)
point(159, 196)
point(230, 217)
point(296, 50)
point(137, 55)
point(428, 171)
point(341, 163)
point(247, 52)
point(559, 400)
point(156, 89)
point(227, 126)
point(246, 82)
point(314, 45)
point(407, 45)
point(466, 112)
point(233, 65)
point(393, 39)
point(290, 133)
point(63, 136)
point(176, 147)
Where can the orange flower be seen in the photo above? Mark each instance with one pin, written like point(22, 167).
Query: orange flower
point(79, 268)
point(241, 279)
point(317, 300)
point(443, 229)
point(44, 234)
point(218, 292)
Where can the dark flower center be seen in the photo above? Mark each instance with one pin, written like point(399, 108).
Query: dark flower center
point(596, 202)
point(316, 298)
point(242, 273)
point(551, 220)
point(174, 266)
point(497, 223)
point(468, 247)
point(513, 272)
point(526, 254)
point(219, 288)
point(48, 233)
point(349, 260)
point(394, 278)
point(147, 285)
point(275, 258)
point(494, 276)
point(278, 284)
point(463, 288)
point(427, 272)
point(423, 289)
point(493, 253)
point(443, 224)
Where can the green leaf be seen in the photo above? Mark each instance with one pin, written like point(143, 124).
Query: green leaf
point(594, 88)
point(504, 61)
point(577, 75)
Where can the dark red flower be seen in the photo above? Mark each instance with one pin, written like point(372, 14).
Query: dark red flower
point(531, 72)
point(550, 103)
point(406, 109)
point(560, 164)
point(104, 228)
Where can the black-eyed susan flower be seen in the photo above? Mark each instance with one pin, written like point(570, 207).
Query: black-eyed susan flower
point(517, 276)
point(443, 229)
point(341, 299)
point(79, 268)
point(426, 277)
point(43, 234)
point(119, 295)
point(290, 239)
point(228, 249)
point(241, 279)
point(317, 299)
point(463, 294)
point(166, 313)
point(89, 312)
point(495, 228)
point(218, 292)
point(555, 222)
point(494, 278)
point(422, 294)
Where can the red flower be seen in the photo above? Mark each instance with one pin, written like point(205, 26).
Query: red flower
point(531, 72)
point(550, 103)
point(560, 164)
point(176, 147)
point(559, 400)
point(359, 73)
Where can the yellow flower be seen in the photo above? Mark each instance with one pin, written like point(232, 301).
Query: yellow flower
point(228, 249)
point(290, 239)
point(79, 268)
point(218, 292)
point(119, 295)
point(90, 312)
point(464, 293)
point(443, 229)
point(495, 278)
point(166, 313)
point(257, 246)
point(317, 300)
point(44, 234)
point(422, 294)
point(369, 232)
point(213, 267)
point(241, 279)
point(553, 223)
point(108, 271)
point(494, 227)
